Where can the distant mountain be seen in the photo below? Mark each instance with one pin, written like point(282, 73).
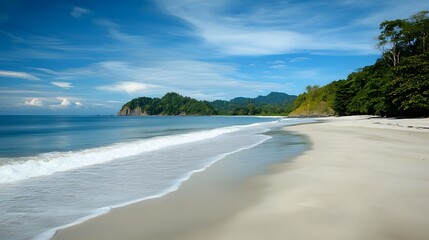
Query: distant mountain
point(274, 103)
point(275, 98)
point(271, 98)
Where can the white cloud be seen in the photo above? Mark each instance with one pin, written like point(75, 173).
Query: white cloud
point(66, 102)
point(22, 75)
point(128, 87)
point(78, 12)
point(207, 79)
point(62, 84)
point(34, 102)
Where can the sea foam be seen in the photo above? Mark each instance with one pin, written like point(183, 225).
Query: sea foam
point(49, 163)
point(101, 211)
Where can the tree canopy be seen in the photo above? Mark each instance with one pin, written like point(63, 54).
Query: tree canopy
point(171, 104)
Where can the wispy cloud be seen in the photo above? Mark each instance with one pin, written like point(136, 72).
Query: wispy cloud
point(62, 84)
point(297, 59)
point(30, 46)
point(78, 12)
point(390, 10)
point(22, 75)
point(19, 91)
point(186, 76)
point(278, 64)
point(279, 27)
point(115, 32)
point(283, 64)
point(208, 80)
point(128, 87)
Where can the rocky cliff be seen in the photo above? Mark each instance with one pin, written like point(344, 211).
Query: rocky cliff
point(127, 111)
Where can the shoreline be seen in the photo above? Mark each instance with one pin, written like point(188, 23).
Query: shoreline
point(202, 189)
point(229, 165)
point(106, 210)
point(295, 194)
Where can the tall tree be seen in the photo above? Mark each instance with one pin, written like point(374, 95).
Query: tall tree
point(391, 40)
point(419, 31)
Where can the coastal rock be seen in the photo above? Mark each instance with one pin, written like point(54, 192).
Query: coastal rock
point(127, 111)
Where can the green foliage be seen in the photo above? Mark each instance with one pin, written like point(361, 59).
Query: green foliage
point(171, 104)
point(274, 103)
point(149, 105)
point(175, 104)
point(364, 91)
point(397, 84)
point(402, 38)
point(317, 101)
point(410, 87)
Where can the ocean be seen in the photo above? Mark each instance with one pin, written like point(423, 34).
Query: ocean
point(56, 171)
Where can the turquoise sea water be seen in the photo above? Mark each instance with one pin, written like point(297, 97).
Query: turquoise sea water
point(60, 170)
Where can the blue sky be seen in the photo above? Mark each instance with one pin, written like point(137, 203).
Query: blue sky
point(91, 57)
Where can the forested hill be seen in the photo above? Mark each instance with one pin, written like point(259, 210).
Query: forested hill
point(275, 103)
point(396, 85)
point(174, 104)
point(169, 104)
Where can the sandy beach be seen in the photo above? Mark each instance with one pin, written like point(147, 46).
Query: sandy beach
point(363, 178)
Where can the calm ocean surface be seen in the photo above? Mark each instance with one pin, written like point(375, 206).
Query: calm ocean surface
point(60, 170)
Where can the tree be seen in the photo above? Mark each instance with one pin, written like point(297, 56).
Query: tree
point(410, 88)
point(419, 31)
point(404, 37)
point(391, 40)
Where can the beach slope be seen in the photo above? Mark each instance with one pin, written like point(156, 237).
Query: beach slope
point(364, 178)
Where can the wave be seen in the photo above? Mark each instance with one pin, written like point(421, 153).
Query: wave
point(16, 169)
point(103, 210)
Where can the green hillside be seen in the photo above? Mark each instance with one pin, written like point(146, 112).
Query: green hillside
point(274, 103)
point(175, 104)
point(169, 104)
point(396, 85)
point(315, 102)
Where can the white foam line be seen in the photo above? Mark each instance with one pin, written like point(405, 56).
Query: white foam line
point(101, 211)
point(49, 163)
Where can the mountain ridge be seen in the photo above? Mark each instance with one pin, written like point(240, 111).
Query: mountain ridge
point(174, 104)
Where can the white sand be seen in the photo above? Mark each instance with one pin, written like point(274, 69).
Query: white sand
point(362, 179)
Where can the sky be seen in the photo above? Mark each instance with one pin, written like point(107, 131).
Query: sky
point(93, 56)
